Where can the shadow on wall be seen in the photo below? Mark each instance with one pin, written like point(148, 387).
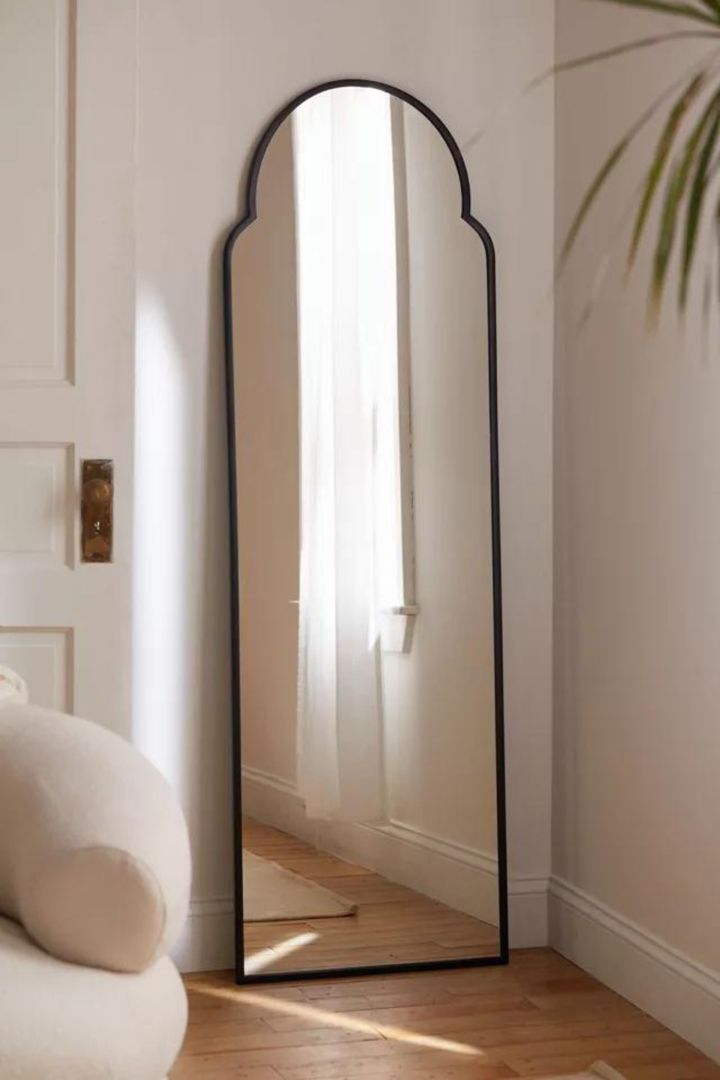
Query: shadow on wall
point(181, 681)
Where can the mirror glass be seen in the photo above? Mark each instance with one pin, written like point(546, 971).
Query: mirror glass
point(359, 331)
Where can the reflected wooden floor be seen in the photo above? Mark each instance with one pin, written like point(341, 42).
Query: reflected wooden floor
point(393, 924)
point(539, 1017)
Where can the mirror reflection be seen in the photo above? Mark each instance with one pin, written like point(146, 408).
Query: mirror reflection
point(360, 357)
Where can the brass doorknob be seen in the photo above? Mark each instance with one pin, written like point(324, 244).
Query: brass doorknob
point(97, 492)
point(97, 510)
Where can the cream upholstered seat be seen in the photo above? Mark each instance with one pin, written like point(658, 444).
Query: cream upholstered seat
point(60, 1021)
point(94, 886)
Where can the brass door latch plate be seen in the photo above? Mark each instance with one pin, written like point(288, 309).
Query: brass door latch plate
point(96, 511)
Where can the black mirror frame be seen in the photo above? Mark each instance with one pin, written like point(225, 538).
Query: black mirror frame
point(243, 223)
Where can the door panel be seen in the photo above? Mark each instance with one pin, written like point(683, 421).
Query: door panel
point(67, 120)
point(44, 659)
point(36, 526)
point(36, 132)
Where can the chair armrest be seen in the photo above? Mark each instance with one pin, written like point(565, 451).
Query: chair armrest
point(94, 852)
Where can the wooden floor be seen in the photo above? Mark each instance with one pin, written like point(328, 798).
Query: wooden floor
point(392, 925)
point(539, 1017)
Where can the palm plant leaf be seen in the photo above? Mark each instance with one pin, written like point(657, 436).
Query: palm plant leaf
point(674, 193)
point(591, 195)
point(695, 205)
point(689, 175)
point(604, 261)
point(596, 58)
point(662, 153)
point(611, 162)
point(621, 50)
point(707, 13)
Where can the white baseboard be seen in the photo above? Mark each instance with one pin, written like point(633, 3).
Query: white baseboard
point(528, 912)
point(452, 873)
point(208, 939)
point(682, 994)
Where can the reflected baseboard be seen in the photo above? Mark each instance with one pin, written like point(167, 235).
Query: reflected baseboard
point(462, 877)
point(207, 942)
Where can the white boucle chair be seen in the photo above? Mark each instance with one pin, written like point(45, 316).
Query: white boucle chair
point(94, 887)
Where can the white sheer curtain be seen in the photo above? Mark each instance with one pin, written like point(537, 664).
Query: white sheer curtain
point(351, 557)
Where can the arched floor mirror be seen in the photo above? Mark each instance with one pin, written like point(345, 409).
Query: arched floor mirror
point(360, 331)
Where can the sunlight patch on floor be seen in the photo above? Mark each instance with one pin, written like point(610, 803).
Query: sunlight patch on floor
point(258, 961)
point(324, 1018)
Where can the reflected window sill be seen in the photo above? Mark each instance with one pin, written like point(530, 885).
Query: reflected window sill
point(397, 625)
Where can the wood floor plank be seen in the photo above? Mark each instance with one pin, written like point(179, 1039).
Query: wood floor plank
point(539, 1017)
point(405, 1068)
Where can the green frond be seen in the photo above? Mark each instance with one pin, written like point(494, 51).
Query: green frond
point(695, 205)
point(590, 197)
point(662, 153)
point(711, 5)
point(687, 175)
point(674, 194)
point(621, 50)
point(704, 14)
point(611, 163)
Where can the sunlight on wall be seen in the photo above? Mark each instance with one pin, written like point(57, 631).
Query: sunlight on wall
point(160, 683)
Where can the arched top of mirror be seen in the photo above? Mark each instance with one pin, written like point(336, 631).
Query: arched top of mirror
point(255, 171)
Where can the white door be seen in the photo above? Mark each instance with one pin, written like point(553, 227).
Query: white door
point(67, 108)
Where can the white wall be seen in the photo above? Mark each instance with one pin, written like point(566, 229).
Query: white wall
point(211, 76)
point(265, 335)
point(637, 616)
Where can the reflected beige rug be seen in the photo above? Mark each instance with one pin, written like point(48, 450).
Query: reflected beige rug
point(272, 894)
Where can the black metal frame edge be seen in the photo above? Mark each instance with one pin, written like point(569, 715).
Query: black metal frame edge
point(243, 223)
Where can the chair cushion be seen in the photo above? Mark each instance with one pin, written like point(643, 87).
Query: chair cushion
point(59, 1021)
point(94, 853)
